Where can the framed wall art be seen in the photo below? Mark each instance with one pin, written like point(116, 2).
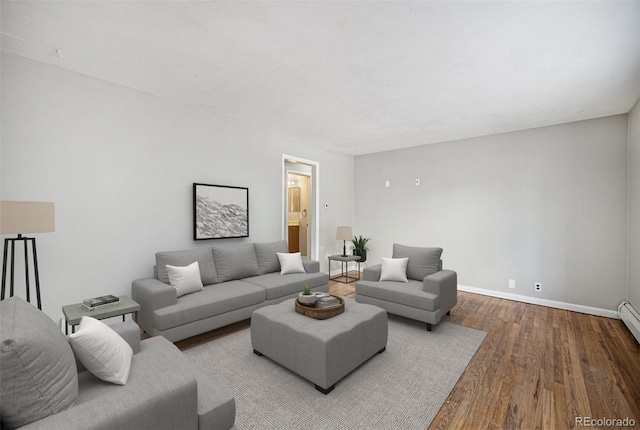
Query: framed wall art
point(220, 211)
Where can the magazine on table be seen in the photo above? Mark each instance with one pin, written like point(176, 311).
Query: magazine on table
point(327, 302)
point(101, 302)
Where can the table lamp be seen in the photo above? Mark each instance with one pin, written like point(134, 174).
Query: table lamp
point(344, 234)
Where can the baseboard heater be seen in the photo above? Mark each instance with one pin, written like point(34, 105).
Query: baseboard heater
point(631, 318)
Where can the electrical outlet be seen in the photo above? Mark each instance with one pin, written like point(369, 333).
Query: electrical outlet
point(512, 283)
point(538, 286)
point(417, 182)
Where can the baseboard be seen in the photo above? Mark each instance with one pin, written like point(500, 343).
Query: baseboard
point(542, 302)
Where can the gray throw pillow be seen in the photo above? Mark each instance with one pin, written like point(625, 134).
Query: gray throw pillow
point(204, 257)
point(38, 375)
point(422, 261)
point(235, 262)
point(267, 254)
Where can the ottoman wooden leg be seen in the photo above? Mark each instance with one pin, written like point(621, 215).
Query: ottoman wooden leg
point(428, 327)
point(382, 350)
point(258, 353)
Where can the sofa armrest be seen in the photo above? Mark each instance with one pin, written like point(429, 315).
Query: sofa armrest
point(444, 284)
point(129, 331)
point(311, 266)
point(169, 400)
point(372, 273)
point(151, 294)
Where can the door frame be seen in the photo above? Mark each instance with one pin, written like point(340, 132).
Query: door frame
point(314, 222)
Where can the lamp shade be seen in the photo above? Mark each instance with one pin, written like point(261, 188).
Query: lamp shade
point(344, 233)
point(27, 217)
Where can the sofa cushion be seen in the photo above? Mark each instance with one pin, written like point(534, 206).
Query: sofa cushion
point(394, 269)
point(185, 279)
point(213, 300)
point(267, 257)
point(290, 263)
point(38, 372)
point(277, 285)
point(102, 351)
point(235, 262)
point(422, 261)
point(203, 256)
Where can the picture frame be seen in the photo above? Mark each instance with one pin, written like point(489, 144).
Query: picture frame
point(220, 211)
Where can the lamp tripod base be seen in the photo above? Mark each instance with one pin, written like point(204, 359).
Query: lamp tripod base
point(25, 241)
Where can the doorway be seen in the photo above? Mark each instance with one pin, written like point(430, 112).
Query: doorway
point(300, 205)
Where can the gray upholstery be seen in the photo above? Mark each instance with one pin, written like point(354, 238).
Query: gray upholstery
point(422, 261)
point(267, 255)
point(321, 351)
point(428, 295)
point(213, 300)
point(247, 278)
point(409, 294)
point(235, 262)
point(165, 389)
point(38, 375)
point(277, 285)
point(203, 256)
point(216, 404)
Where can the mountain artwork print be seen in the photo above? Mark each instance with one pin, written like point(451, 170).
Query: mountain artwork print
point(220, 211)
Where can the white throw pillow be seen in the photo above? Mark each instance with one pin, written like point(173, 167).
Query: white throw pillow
point(102, 351)
point(185, 279)
point(290, 263)
point(394, 269)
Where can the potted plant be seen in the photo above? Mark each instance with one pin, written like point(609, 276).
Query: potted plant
point(306, 296)
point(360, 247)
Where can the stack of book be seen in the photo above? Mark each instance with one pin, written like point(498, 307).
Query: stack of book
point(327, 302)
point(100, 302)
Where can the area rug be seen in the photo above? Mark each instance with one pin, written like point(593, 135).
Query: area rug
point(403, 387)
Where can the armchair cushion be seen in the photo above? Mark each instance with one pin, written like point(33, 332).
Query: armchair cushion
point(410, 294)
point(422, 261)
point(37, 367)
point(394, 269)
point(102, 351)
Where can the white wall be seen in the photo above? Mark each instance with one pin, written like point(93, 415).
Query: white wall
point(544, 205)
point(634, 206)
point(120, 164)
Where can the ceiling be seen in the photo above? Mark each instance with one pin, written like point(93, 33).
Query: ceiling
point(351, 76)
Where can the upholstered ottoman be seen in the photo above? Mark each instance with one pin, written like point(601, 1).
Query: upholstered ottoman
point(322, 351)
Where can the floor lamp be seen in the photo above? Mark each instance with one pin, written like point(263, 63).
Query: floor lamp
point(21, 218)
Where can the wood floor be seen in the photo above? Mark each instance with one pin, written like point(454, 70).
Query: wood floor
point(538, 368)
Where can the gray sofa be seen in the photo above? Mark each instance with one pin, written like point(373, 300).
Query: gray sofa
point(428, 294)
point(42, 386)
point(238, 279)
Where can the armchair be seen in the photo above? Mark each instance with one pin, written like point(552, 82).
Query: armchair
point(43, 387)
point(427, 295)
